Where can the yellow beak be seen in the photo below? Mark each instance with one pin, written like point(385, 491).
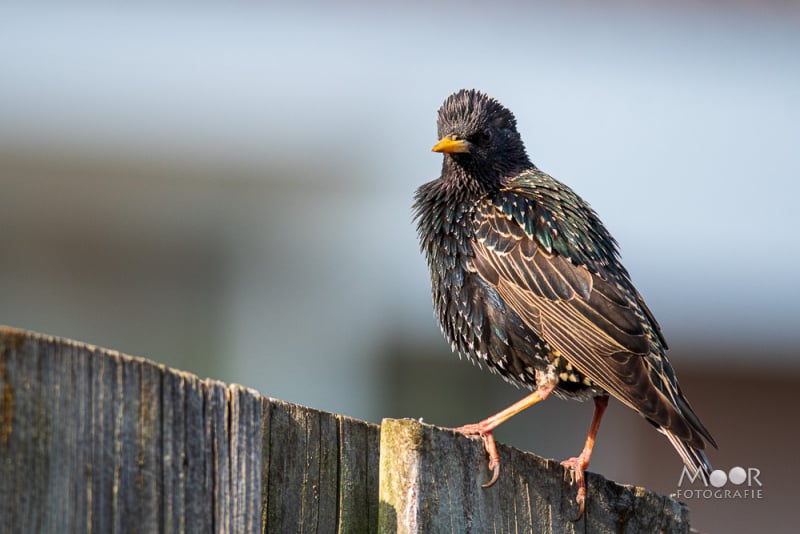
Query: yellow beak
point(448, 145)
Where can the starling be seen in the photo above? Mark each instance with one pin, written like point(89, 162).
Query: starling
point(527, 281)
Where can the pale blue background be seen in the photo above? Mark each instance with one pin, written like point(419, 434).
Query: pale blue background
point(228, 190)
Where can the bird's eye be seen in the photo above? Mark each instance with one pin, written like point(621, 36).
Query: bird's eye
point(484, 137)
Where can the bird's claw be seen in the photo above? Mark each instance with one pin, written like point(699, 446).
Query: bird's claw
point(576, 467)
point(494, 458)
point(488, 444)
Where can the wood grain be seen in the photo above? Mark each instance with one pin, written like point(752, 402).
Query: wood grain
point(431, 482)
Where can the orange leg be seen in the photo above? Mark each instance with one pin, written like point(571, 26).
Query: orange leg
point(582, 461)
point(485, 428)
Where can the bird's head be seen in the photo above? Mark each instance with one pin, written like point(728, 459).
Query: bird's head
point(479, 136)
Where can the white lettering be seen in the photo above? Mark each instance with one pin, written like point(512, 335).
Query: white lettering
point(752, 475)
point(692, 477)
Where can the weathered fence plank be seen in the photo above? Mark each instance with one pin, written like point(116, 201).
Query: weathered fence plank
point(321, 471)
point(431, 482)
point(95, 441)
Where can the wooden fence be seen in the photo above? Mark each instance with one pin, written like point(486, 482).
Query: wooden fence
point(92, 440)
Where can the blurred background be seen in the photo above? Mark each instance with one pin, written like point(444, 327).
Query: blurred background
point(228, 191)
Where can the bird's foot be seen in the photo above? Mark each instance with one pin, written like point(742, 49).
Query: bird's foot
point(485, 432)
point(577, 466)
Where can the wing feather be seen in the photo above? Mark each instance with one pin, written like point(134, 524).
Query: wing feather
point(578, 312)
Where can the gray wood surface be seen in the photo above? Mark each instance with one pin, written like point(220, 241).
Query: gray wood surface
point(92, 440)
point(95, 441)
point(320, 471)
point(431, 482)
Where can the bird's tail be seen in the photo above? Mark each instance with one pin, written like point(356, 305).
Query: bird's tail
point(695, 459)
point(693, 435)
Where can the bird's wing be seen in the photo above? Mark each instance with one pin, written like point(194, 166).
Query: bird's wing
point(589, 319)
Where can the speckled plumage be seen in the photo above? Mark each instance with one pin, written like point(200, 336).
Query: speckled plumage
point(527, 281)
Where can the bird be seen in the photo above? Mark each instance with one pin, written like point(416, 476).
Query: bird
point(528, 282)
